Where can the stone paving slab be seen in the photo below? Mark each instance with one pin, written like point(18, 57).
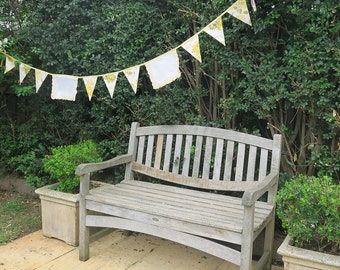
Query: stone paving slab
point(117, 250)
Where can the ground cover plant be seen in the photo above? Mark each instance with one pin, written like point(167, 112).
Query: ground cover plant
point(19, 215)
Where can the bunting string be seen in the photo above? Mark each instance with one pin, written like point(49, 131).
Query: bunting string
point(162, 70)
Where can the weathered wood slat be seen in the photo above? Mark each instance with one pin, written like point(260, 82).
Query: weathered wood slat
point(207, 157)
point(140, 152)
point(218, 159)
point(187, 151)
point(263, 164)
point(197, 157)
point(251, 163)
point(240, 161)
point(229, 161)
point(149, 150)
point(159, 150)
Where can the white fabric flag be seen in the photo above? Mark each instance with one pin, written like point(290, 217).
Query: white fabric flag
point(132, 75)
point(90, 84)
point(23, 71)
point(110, 81)
point(40, 77)
point(9, 63)
point(215, 29)
point(163, 69)
point(240, 11)
point(192, 46)
point(64, 87)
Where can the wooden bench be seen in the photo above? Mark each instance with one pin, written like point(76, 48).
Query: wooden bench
point(195, 172)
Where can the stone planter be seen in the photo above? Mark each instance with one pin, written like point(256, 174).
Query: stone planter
point(302, 259)
point(60, 214)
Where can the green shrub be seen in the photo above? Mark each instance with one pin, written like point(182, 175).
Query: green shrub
point(309, 209)
point(62, 163)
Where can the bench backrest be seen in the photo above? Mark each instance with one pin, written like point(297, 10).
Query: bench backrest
point(202, 157)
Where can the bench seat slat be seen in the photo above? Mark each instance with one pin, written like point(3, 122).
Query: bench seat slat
point(183, 207)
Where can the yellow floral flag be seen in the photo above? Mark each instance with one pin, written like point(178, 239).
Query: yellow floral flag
point(240, 11)
point(64, 87)
point(110, 81)
point(215, 29)
point(192, 46)
point(9, 63)
point(40, 77)
point(90, 84)
point(163, 69)
point(132, 75)
point(23, 71)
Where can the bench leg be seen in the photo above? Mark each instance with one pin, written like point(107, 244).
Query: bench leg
point(84, 234)
point(247, 239)
point(268, 243)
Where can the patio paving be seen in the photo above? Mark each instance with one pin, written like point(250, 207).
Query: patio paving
point(116, 250)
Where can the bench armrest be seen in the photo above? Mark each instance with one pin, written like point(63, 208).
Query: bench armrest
point(250, 196)
point(92, 167)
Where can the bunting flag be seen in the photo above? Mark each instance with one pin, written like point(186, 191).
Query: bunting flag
point(110, 81)
point(132, 75)
point(9, 63)
point(240, 11)
point(253, 4)
point(40, 77)
point(215, 29)
point(23, 71)
point(192, 46)
point(163, 69)
point(90, 84)
point(64, 87)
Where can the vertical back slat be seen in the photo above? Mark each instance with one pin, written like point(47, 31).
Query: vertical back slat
point(140, 153)
point(218, 159)
point(149, 150)
point(240, 161)
point(207, 157)
point(177, 155)
point(197, 157)
point(229, 161)
point(187, 151)
point(251, 163)
point(263, 163)
point(159, 150)
point(167, 154)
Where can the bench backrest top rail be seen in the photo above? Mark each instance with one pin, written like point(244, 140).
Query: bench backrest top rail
point(202, 157)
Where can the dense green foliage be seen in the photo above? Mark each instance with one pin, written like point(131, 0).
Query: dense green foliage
point(310, 211)
point(279, 76)
point(63, 161)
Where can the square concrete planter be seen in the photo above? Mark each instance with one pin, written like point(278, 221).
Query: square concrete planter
point(60, 214)
point(303, 259)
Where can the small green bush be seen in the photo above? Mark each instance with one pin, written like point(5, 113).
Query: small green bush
point(309, 208)
point(64, 160)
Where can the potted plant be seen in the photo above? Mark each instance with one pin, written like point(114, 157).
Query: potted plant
point(309, 208)
point(60, 201)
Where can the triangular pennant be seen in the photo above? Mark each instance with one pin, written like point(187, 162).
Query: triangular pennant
point(90, 84)
point(40, 77)
point(163, 69)
point(215, 29)
point(110, 81)
point(253, 4)
point(23, 71)
point(192, 46)
point(9, 63)
point(132, 75)
point(240, 11)
point(64, 87)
